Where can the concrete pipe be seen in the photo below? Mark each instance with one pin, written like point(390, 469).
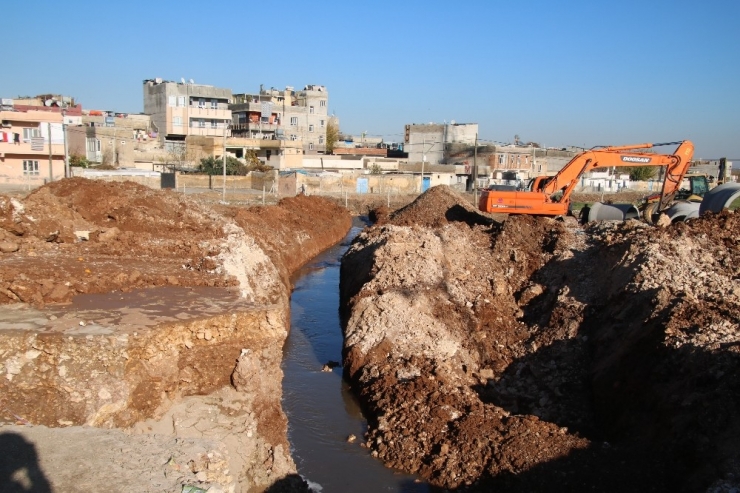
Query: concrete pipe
point(612, 212)
point(683, 210)
point(720, 197)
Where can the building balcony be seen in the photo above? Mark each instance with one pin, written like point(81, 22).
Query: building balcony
point(208, 112)
point(256, 126)
point(24, 148)
point(206, 131)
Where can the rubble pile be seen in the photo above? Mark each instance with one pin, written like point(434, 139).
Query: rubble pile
point(531, 355)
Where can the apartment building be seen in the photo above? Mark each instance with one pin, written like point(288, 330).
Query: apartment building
point(182, 109)
point(287, 114)
point(31, 145)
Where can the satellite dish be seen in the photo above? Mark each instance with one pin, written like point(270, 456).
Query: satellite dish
point(452, 122)
point(192, 81)
point(48, 102)
point(182, 79)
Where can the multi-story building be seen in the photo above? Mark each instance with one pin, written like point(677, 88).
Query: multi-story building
point(31, 145)
point(113, 140)
point(287, 114)
point(429, 143)
point(182, 109)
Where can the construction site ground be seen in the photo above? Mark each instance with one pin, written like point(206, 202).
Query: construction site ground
point(536, 355)
point(141, 336)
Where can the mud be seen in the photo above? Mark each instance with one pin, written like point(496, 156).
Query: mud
point(532, 355)
point(151, 324)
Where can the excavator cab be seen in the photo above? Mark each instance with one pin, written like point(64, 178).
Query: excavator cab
point(698, 187)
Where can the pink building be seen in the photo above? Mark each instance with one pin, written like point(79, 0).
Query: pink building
point(31, 146)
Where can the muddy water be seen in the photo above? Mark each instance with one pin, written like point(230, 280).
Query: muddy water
point(321, 410)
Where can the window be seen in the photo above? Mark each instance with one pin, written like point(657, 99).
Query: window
point(321, 139)
point(310, 146)
point(28, 133)
point(310, 109)
point(181, 101)
point(30, 167)
point(264, 119)
point(310, 128)
point(177, 121)
point(321, 123)
point(294, 120)
point(322, 102)
point(214, 124)
point(172, 101)
point(214, 104)
point(518, 160)
point(500, 159)
point(293, 137)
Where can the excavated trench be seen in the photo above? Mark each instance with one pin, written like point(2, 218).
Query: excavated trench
point(522, 356)
point(322, 411)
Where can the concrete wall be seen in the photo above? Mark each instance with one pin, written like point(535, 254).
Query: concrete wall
point(425, 140)
point(329, 183)
point(212, 181)
point(332, 163)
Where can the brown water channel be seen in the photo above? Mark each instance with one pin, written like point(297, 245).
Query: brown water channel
point(322, 412)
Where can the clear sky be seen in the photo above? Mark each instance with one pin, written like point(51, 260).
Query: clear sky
point(559, 73)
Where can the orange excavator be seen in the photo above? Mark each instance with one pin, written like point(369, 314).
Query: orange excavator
point(550, 195)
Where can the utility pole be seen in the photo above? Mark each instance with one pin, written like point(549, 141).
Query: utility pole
point(423, 158)
point(475, 171)
point(51, 174)
point(224, 157)
point(66, 153)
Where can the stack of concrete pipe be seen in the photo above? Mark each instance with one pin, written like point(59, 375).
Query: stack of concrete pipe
point(609, 212)
point(715, 200)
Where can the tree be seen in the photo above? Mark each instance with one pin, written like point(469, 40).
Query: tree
point(76, 160)
point(332, 136)
point(641, 173)
point(254, 164)
point(215, 166)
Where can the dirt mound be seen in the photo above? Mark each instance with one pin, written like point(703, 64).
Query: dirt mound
point(438, 206)
point(88, 236)
point(117, 360)
point(533, 356)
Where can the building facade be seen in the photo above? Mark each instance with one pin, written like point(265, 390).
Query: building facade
point(31, 146)
point(430, 143)
point(182, 109)
point(287, 114)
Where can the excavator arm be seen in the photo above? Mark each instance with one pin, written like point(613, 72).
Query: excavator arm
point(545, 199)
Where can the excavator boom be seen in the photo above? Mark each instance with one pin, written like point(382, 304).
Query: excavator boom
point(550, 196)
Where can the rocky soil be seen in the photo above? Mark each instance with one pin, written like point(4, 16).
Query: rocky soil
point(141, 337)
point(535, 355)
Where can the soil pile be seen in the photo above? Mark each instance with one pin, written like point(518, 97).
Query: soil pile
point(86, 236)
point(534, 356)
point(159, 371)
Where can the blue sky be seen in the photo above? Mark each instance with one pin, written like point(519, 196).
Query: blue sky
point(580, 73)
